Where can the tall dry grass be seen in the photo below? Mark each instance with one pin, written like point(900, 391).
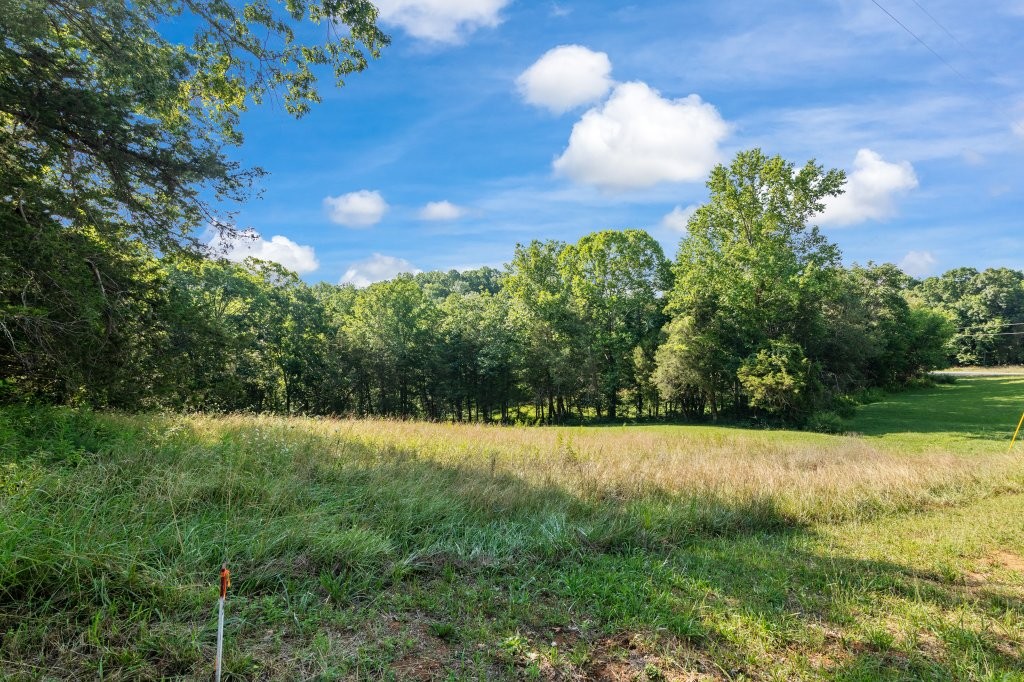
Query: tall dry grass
point(803, 477)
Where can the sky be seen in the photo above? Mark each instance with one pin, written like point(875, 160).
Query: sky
point(488, 123)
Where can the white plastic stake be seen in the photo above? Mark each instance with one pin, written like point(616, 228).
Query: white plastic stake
point(220, 639)
point(225, 582)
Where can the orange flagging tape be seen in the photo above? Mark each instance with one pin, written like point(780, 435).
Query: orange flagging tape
point(225, 583)
point(225, 580)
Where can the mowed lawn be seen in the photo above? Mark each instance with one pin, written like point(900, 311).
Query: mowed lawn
point(401, 550)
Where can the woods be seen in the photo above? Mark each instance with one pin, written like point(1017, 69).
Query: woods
point(115, 144)
point(755, 318)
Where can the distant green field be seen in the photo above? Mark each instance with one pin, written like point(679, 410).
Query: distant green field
point(966, 415)
point(401, 550)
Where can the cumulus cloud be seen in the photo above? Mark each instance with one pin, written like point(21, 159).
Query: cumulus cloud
point(678, 218)
point(249, 243)
point(356, 209)
point(918, 263)
point(376, 268)
point(441, 21)
point(871, 190)
point(639, 139)
point(566, 77)
point(442, 210)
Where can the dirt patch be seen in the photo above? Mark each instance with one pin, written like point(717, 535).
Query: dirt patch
point(999, 560)
point(833, 652)
point(1007, 560)
point(975, 579)
point(429, 657)
point(630, 658)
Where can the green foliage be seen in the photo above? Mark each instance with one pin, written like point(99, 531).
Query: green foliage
point(987, 313)
point(779, 379)
point(615, 280)
point(825, 422)
point(114, 146)
point(391, 332)
point(764, 315)
point(440, 285)
point(586, 308)
point(756, 319)
point(55, 435)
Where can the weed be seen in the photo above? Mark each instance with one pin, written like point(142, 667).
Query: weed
point(376, 549)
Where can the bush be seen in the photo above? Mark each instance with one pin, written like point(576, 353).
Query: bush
point(870, 395)
point(779, 379)
point(844, 406)
point(825, 422)
point(53, 434)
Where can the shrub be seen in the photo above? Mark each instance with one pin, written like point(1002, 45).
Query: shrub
point(779, 379)
point(844, 406)
point(825, 422)
point(870, 395)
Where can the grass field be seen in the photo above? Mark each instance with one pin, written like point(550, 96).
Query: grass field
point(399, 550)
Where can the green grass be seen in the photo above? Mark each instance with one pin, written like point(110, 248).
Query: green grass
point(965, 416)
point(387, 550)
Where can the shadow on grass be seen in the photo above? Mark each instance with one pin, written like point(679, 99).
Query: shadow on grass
point(985, 408)
point(108, 563)
point(752, 600)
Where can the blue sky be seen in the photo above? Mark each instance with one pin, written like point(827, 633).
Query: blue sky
point(492, 122)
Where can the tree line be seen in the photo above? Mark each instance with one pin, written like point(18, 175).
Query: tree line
point(756, 317)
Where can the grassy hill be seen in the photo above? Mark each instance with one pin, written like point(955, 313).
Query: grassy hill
point(398, 550)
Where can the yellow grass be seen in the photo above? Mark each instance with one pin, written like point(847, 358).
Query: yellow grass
point(803, 477)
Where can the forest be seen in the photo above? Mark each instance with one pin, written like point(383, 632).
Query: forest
point(109, 297)
point(759, 322)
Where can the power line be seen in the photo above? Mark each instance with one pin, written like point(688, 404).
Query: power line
point(920, 40)
point(994, 334)
point(1006, 324)
point(996, 107)
point(940, 25)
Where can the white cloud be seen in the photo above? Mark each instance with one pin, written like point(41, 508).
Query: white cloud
point(249, 243)
point(566, 77)
point(356, 209)
point(442, 210)
point(376, 268)
point(918, 263)
point(1018, 128)
point(442, 21)
point(677, 219)
point(560, 11)
point(871, 190)
point(639, 139)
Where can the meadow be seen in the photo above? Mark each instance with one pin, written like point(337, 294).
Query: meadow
point(374, 549)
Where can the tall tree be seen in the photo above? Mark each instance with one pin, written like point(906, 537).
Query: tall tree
point(540, 298)
point(751, 274)
point(987, 309)
point(392, 332)
point(112, 135)
point(616, 279)
point(480, 348)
